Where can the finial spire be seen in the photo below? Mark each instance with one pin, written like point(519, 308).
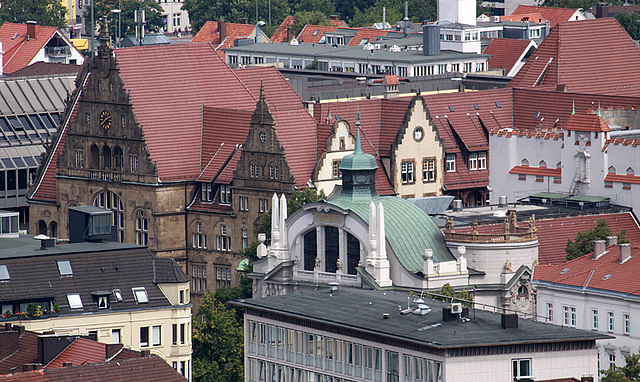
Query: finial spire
point(599, 110)
point(261, 89)
point(573, 111)
point(358, 149)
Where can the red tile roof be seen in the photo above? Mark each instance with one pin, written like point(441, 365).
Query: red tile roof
point(554, 15)
point(505, 52)
point(282, 34)
point(143, 369)
point(45, 69)
point(529, 170)
point(313, 33)
point(604, 273)
point(620, 178)
point(552, 106)
point(367, 34)
point(572, 56)
point(620, 141)
point(533, 17)
point(20, 51)
point(80, 352)
point(586, 122)
point(210, 32)
point(206, 80)
point(25, 352)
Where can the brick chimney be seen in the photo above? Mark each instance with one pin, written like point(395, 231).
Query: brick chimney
point(222, 28)
point(598, 248)
point(33, 30)
point(612, 240)
point(625, 252)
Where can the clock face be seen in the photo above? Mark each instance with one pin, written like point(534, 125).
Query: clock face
point(105, 119)
point(263, 136)
point(418, 134)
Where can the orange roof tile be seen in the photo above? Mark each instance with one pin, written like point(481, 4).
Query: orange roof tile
point(313, 33)
point(20, 51)
point(505, 52)
point(80, 352)
point(622, 178)
point(606, 272)
point(282, 34)
point(586, 122)
point(210, 31)
point(367, 34)
point(554, 15)
point(529, 170)
point(533, 17)
point(572, 56)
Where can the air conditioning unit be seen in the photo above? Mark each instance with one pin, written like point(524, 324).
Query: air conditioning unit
point(456, 308)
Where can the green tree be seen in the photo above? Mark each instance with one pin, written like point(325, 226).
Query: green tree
point(152, 10)
point(627, 373)
point(323, 6)
point(307, 18)
point(630, 23)
point(218, 349)
point(45, 12)
point(447, 292)
point(583, 243)
point(419, 11)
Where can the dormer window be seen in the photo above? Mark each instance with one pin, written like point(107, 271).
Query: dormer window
point(75, 302)
point(140, 294)
point(225, 194)
point(207, 194)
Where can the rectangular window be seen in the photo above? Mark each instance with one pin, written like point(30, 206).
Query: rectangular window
point(199, 278)
point(183, 333)
point(393, 367)
point(521, 368)
point(245, 238)
point(207, 194)
point(174, 334)
point(144, 336)
point(116, 336)
point(407, 172)
point(225, 194)
point(88, 117)
point(176, 20)
point(133, 161)
point(156, 334)
point(549, 312)
point(428, 170)
point(626, 323)
point(223, 277)
point(612, 360)
point(244, 203)
point(140, 295)
point(594, 319)
point(264, 205)
point(611, 320)
point(451, 162)
point(569, 315)
point(79, 159)
point(336, 169)
point(482, 160)
point(473, 161)
point(75, 302)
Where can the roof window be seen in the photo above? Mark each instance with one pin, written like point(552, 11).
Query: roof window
point(606, 277)
point(451, 109)
point(498, 104)
point(475, 106)
point(117, 294)
point(64, 268)
point(316, 32)
point(562, 272)
point(75, 302)
point(141, 295)
point(536, 115)
point(4, 273)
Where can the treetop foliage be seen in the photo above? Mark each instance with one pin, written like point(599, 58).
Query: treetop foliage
point(45, 12)
point(627, 373)
point(583, 243)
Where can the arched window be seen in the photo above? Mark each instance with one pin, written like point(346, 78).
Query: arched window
point(630, 171)
point(525, 162)
point(142, 228)
point(559, 165)
point(110, 201)
point(331, 249)
point(42, 228)
point(95, 157)
point(543, 164)
point(106, 158)
point(254, 170)
point(118, 158)
point(310, 250)
point(612, 170)
point(53, 229)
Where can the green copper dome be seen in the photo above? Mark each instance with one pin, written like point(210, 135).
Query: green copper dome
point(358, 160)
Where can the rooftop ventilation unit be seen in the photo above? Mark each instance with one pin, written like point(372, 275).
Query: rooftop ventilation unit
point(456, 308)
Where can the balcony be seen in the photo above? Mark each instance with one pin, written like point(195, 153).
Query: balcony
point(57, 51)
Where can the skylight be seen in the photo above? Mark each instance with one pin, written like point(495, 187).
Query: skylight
point(4, 273)
point(475, 106)
point(564, 271)
point(64, 267)
point(606, 277)
point(451, 109)
point(498, 104)
point(141, 295)
point(117, 294)
point(75, 302)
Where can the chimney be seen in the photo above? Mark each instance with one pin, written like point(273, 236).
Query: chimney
point(33, 29)
point(259, 26)
point(598, 248)
point(612, 240)
point(430, 40)
point(509, 321)
point(222, 28)
point(625, 252)
point(145, 353)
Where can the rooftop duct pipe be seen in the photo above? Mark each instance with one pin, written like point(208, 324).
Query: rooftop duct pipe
point(259, 26)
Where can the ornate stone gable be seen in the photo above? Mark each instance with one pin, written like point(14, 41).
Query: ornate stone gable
point(263, 157)
point(104, 140)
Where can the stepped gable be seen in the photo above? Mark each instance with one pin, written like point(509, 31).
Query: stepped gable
point(589, 56)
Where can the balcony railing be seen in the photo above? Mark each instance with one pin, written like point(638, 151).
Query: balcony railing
point(57, 51)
